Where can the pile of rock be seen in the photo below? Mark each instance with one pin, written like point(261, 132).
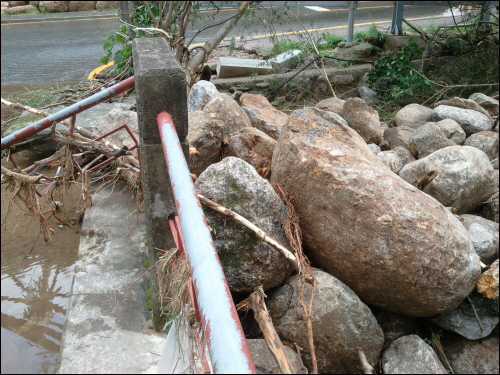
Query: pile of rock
point(23, 7)
point(382, 244)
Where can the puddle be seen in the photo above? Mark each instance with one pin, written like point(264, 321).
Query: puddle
point(35, 287)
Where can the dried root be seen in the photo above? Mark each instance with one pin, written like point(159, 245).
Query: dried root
point(294, 235)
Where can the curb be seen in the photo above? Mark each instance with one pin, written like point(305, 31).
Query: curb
point(14, 19)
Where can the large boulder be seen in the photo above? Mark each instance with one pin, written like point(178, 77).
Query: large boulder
point(211, 128)
point(486, 142)
point(248, 262)
point(362, 118)
point(206, 134)
point(396, 158)
point(21, 9)
point(225, 109)
point(368, 95)
point(463, 103)
point(334, 105)
point(411, 355)
point(251, 145)
point(413, 116)
point(463, 320)
point(399, 136)
point(101, 5)
point(351, 51)
point(341, 323)
point(263, 115)
point(54, 6)
point(490, 104)
point(484, 236)
point(465, 177)
point(471, 121)
point(266, 364)
point(473, 357)
point(117, 117)
point(78, 6)
point(452, 130)
point(382, 237)
point(427, 139)
point(201, 93)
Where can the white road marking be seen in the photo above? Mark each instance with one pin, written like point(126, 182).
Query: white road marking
point(318, 9)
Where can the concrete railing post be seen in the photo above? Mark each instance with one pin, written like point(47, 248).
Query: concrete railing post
point(160, 86)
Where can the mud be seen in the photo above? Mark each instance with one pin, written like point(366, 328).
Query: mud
point(36, 282)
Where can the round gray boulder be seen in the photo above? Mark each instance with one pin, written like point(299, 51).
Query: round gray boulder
point(411, 355)
point(485, 141)
point(201, 93)
point(341, 323)
point(247, 261)
point(484, 236)
point(465, 177)
point(471, 121)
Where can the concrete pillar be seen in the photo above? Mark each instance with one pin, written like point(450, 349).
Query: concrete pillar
point(160, 85)
point(123, 11)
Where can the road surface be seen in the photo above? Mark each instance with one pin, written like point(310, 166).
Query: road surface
point(69, 50)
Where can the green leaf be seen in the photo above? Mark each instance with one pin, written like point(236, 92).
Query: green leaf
point(120, 38)
point(104, 60)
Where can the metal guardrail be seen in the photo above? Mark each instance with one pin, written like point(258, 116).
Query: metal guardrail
point(227, 345)
point(67, 112)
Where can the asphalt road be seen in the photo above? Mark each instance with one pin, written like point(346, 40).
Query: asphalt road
point(69, 50)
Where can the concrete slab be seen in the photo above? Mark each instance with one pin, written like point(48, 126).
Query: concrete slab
point(228, 67)
point(106, 329)
point(284, 60)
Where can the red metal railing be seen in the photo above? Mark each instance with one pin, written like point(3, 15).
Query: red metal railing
point(227, 345)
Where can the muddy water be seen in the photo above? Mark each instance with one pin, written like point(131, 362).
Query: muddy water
point(36, 282)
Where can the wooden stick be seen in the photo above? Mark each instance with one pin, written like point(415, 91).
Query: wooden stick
point(90, 145)
point(427, 179)
point(262, 235)
point(477, 316)
point(368, 369)
point(487, 284)
point(422, 34)
point(21, 177)
point(257, 304)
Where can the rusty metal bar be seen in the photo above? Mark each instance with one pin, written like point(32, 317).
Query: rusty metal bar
point(68, 112)
point(228, 348)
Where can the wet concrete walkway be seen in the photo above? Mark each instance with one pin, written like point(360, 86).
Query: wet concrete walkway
point(107, 326)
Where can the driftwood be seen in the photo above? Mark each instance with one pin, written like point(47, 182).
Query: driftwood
point(77, 129)
point(426, 180)
point(367, 368)
point(257, 304)
point(21, 177)
point(89, 145)
point(263, 236)
point(487, 284)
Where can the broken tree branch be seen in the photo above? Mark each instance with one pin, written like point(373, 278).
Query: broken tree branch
point(487, 284)
point(90, 145)
point(367, 368)
point(77, 129)
point(21, 177)
point(262, 235)
point(257, 304)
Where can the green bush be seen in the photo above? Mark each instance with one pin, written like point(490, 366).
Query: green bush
point(371, 32)
point(394, 76)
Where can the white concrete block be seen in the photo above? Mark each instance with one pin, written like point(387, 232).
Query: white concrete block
point(284, 60)
point(229, 67)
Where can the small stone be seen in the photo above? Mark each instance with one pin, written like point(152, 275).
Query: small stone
point(375, 148)
point(452, 131)
point(485, 141)
point(463, 321)
point(334, 105)
point(428, 138)
point(265, 363)
point(363, 119)
point(396, 158)
point(399, 136)
point(471, 121)
point(411, 355)
point(473, 357)
point(201, 93)
point(413, 116)
point(368, 95)
point(490, 104)
point(484, 236)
